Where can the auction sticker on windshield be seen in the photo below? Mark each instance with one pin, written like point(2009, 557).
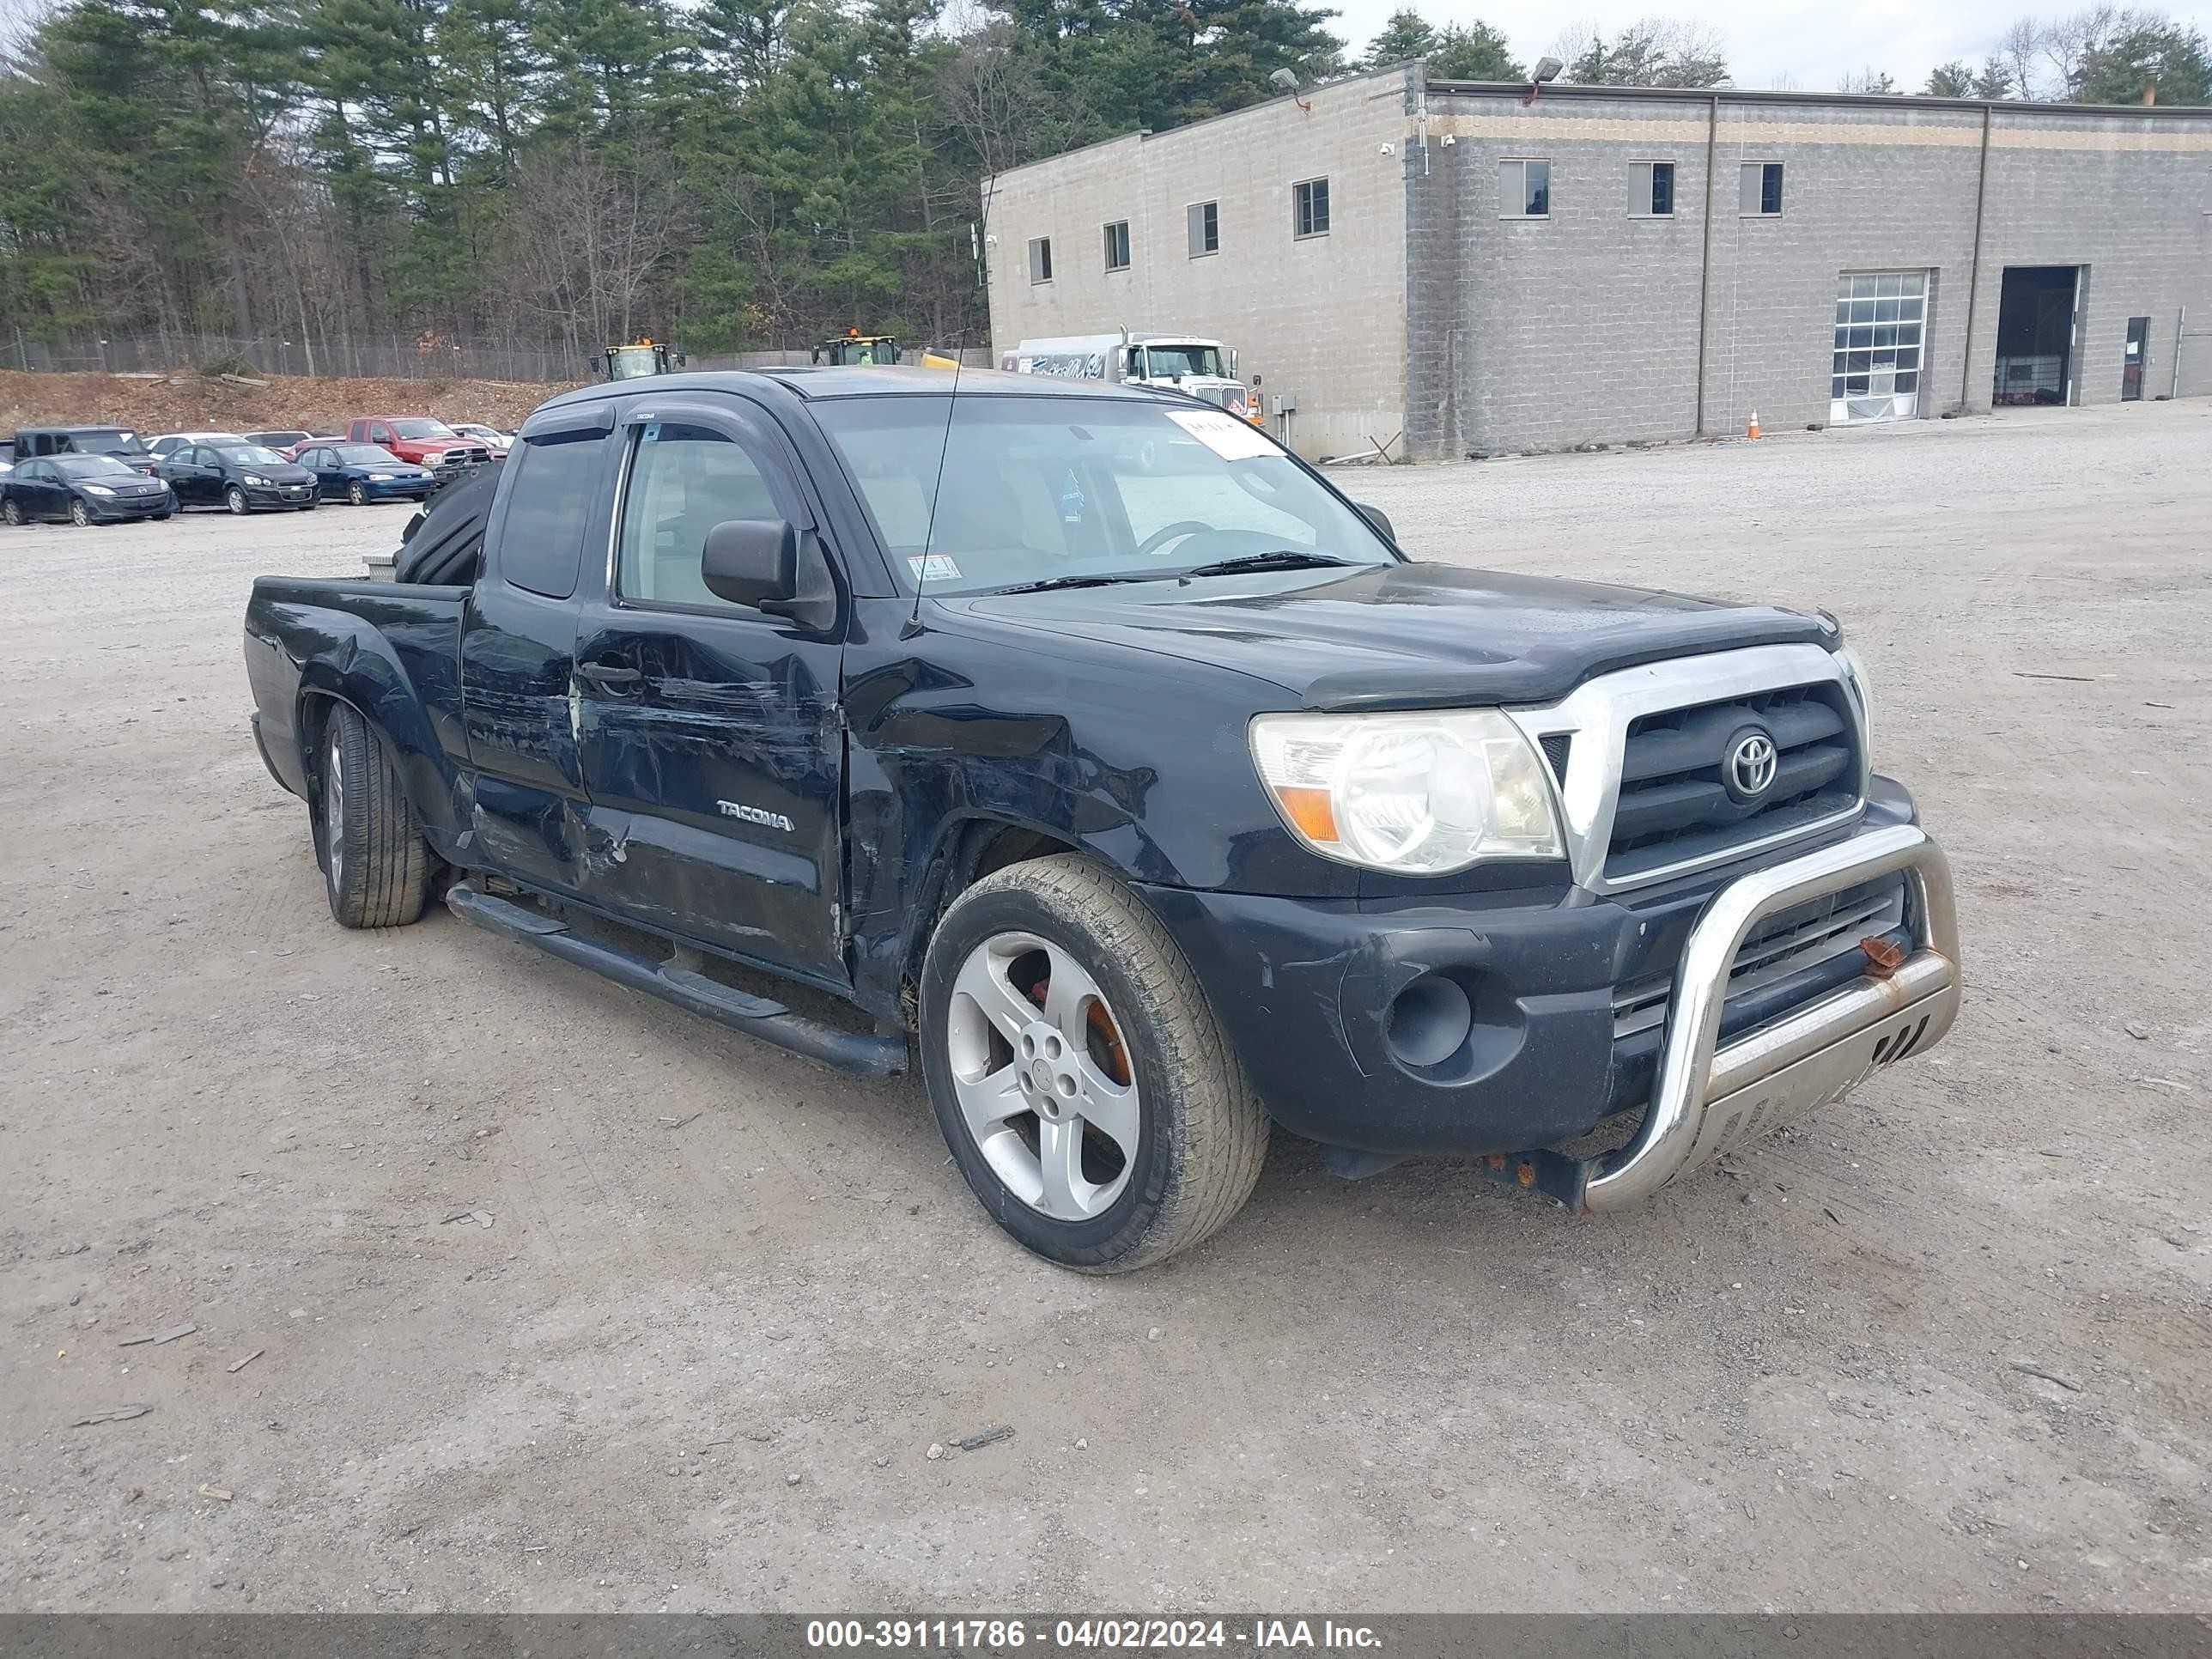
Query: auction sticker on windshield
point(933, 567)
point(1226, 435)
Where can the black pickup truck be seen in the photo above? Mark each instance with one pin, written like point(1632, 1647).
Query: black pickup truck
point(1095, 749)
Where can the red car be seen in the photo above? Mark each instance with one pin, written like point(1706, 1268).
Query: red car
point(419, 439)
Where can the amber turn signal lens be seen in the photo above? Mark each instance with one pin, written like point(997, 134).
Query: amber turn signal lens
point(1310, 811)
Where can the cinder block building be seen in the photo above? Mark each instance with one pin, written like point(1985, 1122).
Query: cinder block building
point(1450, 268)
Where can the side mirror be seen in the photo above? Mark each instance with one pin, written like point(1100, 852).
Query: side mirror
point(751, 562)
point(1380, 520)
point(681, 359)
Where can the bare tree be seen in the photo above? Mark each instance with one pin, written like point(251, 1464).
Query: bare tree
point(1867, 80)
point(2020, 48)
point(2068, 43)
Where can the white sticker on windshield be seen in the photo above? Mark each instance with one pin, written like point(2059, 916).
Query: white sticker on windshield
point(933, 567)
point(1224, 434)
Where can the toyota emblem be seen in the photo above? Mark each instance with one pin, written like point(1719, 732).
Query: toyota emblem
point(1751, 762)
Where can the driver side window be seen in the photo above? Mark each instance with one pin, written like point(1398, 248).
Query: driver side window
point(683, 481)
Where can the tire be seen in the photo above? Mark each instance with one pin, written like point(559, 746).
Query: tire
point(1160, 1072)
point(12, 511)
point(376, 866)
point(357, 493)
point(235, 498)
point(79, 515)
point(162, 518)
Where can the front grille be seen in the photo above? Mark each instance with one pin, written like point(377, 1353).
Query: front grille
point(1676, 802)
point(1789, 942)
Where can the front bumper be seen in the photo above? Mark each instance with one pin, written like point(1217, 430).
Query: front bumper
point(396, 490)
point(1314, 996)
point(117, 510)
point(290, 495)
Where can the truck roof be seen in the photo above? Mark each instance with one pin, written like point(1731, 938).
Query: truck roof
point(829, 382)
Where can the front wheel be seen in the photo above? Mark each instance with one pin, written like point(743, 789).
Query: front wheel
point(376, 866)
point(357, 493)
point(79, 515)
point(235, 498)
point(1078, 1073)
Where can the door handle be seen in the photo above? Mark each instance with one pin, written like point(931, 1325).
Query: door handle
point(604, 674)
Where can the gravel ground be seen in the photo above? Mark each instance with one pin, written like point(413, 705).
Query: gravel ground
point(1943, 1347)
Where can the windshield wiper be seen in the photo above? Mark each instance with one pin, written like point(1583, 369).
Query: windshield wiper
point(1052, 582)
point(1283, 558)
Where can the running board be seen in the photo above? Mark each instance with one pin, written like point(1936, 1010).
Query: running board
point(854, 1051)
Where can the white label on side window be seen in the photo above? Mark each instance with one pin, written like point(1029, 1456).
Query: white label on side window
point(1224, 434)
point(933, 567)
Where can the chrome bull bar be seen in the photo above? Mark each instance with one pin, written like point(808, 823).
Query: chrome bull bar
point(1706, 1099)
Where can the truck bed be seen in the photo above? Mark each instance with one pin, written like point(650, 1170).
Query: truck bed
point(391, 650)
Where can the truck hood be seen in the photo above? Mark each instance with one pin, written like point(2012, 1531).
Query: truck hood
point(1400, 635)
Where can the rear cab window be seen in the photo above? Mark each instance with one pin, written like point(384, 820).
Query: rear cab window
point(550, 503)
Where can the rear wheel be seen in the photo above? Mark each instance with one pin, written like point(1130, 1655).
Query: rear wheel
point(235, 498)
point(1080, 1077)
point(12, 511)
point(79, 515)
point(376, 866)
point(357, 493)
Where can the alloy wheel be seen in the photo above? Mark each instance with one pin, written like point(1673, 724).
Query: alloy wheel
point(1043, 1077)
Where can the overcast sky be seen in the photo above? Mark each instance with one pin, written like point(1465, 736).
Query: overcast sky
point(1798, 42)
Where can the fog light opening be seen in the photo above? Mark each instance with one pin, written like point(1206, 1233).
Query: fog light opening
point(1429, 1022)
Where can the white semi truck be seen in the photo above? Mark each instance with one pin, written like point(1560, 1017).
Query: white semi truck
point(1204, 368)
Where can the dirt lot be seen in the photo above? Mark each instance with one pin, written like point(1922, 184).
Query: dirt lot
point(1945, 1348)
point(186, 401)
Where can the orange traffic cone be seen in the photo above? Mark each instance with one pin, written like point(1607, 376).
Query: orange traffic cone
point(1752, 431)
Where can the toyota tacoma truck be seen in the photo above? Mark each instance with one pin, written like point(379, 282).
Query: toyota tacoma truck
point(1084, 746)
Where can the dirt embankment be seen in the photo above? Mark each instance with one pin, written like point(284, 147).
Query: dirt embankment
point(187, 401)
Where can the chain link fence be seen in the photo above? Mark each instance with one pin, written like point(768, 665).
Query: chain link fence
point(384, 358)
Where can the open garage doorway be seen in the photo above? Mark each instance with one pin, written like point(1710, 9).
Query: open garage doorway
point(2037, 314)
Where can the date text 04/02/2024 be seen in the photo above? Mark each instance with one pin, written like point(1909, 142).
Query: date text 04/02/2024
point(1086, 1634)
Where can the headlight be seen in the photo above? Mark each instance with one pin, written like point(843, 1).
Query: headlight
point(1855, 671)
point(255, 478)
point(379, 477)
point(435, 457)
point(1420, 794)
point(98, 490)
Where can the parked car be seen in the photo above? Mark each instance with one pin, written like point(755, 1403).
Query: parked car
point(1090, 740)
point(120, 441)
point(169, 442)
point(362, 473)
point(81, 489)
point(498, 443)
point(242, 477)
point(283, 442)
point(419, 439)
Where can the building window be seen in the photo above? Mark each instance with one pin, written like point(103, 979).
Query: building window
point(1117, 245)
point(1309, 198)
point(1650, 190)
point(1204, 228)
point(1880, 320)
point(1759, 194)
point(1040, 259)
point(1524, 190)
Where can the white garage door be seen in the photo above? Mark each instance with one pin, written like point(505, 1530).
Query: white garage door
point(1880, 319)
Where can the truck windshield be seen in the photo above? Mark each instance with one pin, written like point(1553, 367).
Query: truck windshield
point(415, 429)
point(630, 362)
point(1039, 489)
point(1174, 362)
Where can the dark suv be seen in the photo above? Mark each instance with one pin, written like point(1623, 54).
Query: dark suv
point(120, 441)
